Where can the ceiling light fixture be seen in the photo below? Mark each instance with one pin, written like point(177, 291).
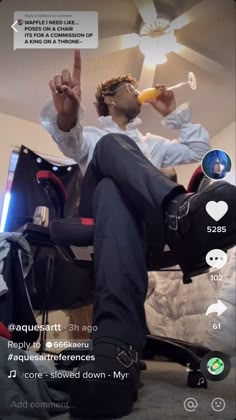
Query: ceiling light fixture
point(156, 48)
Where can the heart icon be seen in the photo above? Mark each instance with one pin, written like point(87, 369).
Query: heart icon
point(216, 210)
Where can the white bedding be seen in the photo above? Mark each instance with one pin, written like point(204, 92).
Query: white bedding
point(178, 310)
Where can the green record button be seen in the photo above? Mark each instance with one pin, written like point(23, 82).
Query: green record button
point(215, 366)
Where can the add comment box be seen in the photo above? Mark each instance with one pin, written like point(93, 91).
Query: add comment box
point(55, 30)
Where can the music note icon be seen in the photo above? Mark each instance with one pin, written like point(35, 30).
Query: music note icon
point(200, 381)
point(12, 374)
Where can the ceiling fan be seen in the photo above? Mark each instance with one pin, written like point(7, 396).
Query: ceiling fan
point(156, 38)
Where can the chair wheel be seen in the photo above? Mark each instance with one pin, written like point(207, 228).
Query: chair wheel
point(196, 379)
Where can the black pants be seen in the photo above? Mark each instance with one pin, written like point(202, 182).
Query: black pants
point(124, 193)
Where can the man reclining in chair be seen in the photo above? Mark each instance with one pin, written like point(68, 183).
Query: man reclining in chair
point(124, 191)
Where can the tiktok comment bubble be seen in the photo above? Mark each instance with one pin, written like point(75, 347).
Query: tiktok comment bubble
point(46, 30)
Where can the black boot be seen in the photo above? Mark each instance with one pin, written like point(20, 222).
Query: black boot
point(108, 386)
point(189, 228)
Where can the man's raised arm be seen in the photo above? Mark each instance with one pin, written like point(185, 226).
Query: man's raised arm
point(66, 94)
point(62, 115)
point(193, 141)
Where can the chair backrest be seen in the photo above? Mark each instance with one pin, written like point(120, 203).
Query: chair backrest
point(195, 180)
point(26, 195)
point(54, 189)
point(199, 181)
point(205, 182)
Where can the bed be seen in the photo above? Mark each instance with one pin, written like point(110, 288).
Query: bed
point(178, 310)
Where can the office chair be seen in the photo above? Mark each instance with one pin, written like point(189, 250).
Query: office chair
point(64, 233)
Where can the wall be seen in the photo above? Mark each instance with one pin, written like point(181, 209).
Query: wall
point(14, 132)
point(225, 140)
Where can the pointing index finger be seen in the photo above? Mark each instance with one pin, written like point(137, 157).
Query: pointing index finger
point(77, 65)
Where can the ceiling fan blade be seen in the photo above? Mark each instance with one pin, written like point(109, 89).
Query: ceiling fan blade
point(147, 10)
point(147, 75)
point(114, 43)
point(201, 9)
point(198, 59)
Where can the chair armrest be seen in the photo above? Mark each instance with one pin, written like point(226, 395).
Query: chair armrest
point(36, 234)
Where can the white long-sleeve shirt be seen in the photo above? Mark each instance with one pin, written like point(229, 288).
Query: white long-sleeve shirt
point(79, 143)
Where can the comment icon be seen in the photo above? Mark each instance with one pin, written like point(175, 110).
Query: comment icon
point(216, 258)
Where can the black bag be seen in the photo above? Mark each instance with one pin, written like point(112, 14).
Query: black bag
point(15, 305)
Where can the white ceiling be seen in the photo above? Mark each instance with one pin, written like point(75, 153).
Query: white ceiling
point(24, 74)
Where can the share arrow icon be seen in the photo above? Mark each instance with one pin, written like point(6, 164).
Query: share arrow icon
point(218, 307)
point(13, 26)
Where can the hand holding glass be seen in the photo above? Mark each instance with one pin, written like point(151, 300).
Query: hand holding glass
point(153, 93)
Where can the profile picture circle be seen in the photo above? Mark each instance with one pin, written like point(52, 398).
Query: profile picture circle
point(216, 164)
point(20, 21)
